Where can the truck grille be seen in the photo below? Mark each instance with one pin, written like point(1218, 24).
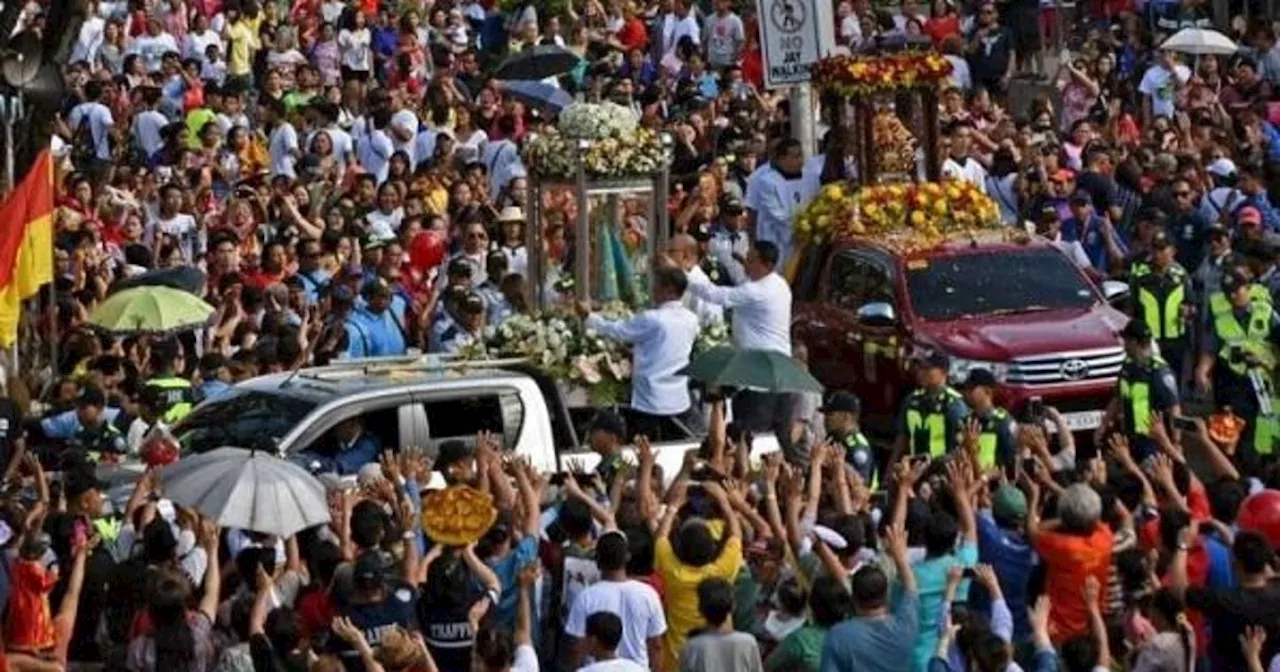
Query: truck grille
point(1066, 367)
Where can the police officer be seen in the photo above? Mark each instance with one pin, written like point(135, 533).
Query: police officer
point(1161, 292)
point(96, 437)
point(997, 444)
point(840, 416)
point(932, 416)
point(1146, 384)
point(175, 393)
point(1237, 360)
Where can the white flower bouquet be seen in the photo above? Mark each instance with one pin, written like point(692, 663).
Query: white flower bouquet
point(562, 347)
point(612, 144)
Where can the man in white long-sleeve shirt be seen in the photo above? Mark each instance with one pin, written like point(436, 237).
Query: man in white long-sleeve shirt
point(761, 321)
point(662, 339)
point(683, 250)
point(776, 193)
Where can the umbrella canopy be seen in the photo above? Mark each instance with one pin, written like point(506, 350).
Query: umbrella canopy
point(541, 95)
point(757, 369)
point(540, 62)
point(247, 489)
point(185, 278)
point(1200, 41)
point(150, 309)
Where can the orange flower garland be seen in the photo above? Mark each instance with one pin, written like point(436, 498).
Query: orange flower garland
point(866, 75)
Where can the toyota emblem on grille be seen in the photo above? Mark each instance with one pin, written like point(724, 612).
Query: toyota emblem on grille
point(1074, 369)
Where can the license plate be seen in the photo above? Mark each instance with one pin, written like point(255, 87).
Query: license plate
point(1080, 422)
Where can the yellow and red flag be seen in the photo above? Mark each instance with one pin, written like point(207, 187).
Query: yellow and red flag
point(26, 243)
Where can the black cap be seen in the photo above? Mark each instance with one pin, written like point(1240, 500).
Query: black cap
point(80, 481)
point(1081, 196)
point(842, 401)
point(731, 204)
point(934, 360)
point(471, 304)
point(1160, 241)
point(980, 378)
point(91, 396)
point(1153, 215)
point(610, 422)
point(1233, 281)
point(376, 287)
point(1049, 213)
point(459, 266)
point(452, 452)
point(373, 242)
point(1136, 330)
point(366, 573)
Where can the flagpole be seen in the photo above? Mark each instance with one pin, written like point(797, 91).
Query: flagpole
point(10, 114)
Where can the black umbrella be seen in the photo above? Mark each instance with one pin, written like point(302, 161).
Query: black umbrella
point(540, 62)
point(540, 95)
point(187, 278)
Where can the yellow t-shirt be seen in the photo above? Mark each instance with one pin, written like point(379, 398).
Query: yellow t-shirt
point(242, 43)
point(680, 583)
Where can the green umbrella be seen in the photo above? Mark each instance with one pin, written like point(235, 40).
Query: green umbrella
point(150, 309)
point(757, 369)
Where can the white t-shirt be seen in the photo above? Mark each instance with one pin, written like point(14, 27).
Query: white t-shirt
point(100, 121)
point(970, 171)
point(356, 52)
point(375, 150)
point(636, 603)
point(1158, 84)
point(283, 147)
point(89, 40)
point(197, 43)
point(615, 665)
point(526, 659)
point(180, 226)
point(151, 50)
point(146, 131)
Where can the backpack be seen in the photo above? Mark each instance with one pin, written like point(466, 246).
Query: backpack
point(83, 148)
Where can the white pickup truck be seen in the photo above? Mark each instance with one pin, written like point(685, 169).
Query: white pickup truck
point(407, 403)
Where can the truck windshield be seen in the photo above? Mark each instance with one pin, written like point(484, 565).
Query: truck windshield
point(1012, 281)
point(241, 418)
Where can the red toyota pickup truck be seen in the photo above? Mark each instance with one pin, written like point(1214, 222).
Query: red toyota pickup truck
point(1020, 309)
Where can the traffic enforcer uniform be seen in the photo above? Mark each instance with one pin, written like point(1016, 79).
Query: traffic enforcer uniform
point(932, 421)
point(1158, 298)
point(1244, 342)
point(1145, 386)
point(175, 395)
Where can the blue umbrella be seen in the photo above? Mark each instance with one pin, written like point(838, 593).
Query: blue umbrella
point(541, 95)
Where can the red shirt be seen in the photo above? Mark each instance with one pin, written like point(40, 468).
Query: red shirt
point(316, 612)
point(633, 34)
point(941, 27)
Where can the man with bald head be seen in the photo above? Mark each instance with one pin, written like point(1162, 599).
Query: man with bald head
point(682, 249)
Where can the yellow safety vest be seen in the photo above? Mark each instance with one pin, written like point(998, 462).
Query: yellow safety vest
point(932, 426)
point(1163, 315)
point(988, 440)
point(1248, 339)
point(1136, 395)
point(178, 397)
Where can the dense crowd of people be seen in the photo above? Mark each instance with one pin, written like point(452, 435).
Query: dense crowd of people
point(295, 153)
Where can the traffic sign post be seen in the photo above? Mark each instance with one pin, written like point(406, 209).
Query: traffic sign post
point(794, 34)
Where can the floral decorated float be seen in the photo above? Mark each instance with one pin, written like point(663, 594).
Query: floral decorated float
point(597, 159)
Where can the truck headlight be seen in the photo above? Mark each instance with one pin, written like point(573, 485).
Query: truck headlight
point(961, 367)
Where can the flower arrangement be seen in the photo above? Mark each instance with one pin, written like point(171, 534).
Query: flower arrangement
point(607, 138)
point(561, 346)
point(923, 213)
point(863, 75)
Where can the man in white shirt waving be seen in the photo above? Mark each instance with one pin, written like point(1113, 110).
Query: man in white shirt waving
point(662, 338)
point(776, 192)
point(761, 321)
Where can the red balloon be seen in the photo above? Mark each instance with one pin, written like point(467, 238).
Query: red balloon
point(426, 250)
point(1261, 513)
point(160, 450)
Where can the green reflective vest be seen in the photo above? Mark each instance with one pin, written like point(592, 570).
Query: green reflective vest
point(178, 397)
point(1135, 393)
point(927, 421)
point(989, 439)
point(1160, 297)
point(1236, 340)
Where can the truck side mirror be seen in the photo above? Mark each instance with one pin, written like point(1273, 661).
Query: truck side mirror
point(1115, 292)
point(877, 314)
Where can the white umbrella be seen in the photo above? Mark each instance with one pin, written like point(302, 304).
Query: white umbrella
point(1200, 41)
point(247, 489)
